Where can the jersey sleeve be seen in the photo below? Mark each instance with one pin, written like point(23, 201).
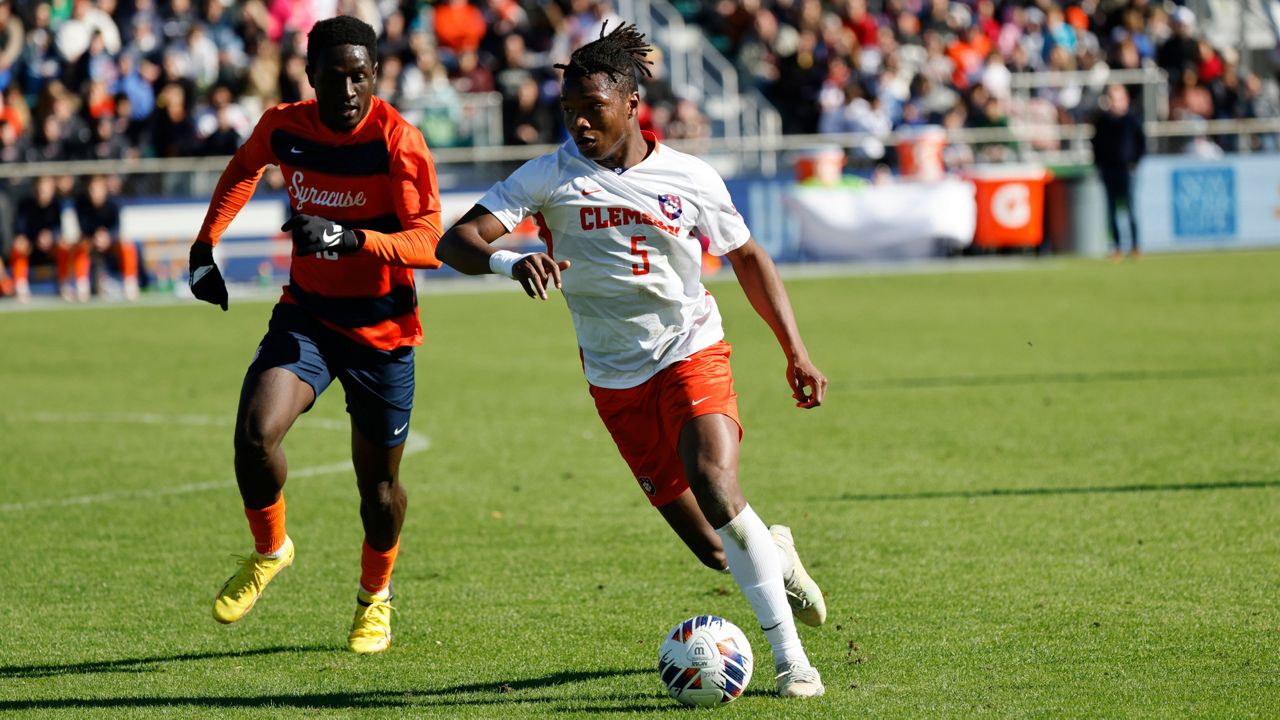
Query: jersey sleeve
point(522, 194)
point(239, 180)
point(719, 220)
point(416, 196)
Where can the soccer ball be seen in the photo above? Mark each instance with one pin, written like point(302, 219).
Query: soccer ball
point(705, 661)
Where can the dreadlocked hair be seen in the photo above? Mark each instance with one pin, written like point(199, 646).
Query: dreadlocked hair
point(620, 55)
point(341, 30)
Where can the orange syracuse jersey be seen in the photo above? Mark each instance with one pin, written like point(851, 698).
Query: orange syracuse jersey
point(378, 178)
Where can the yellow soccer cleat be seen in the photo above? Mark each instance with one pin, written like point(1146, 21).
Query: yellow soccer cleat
point(371, 627)
point(803, 594)
point(242, 590)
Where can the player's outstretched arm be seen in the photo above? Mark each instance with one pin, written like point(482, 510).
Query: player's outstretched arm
point(466, 247)
point(763, 287)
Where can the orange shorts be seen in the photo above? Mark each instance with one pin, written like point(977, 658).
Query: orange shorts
point(645, 420)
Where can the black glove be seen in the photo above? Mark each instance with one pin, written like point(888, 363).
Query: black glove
point(312, 234)
point(206, 280)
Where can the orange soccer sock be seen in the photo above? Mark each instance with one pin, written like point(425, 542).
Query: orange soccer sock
point(80, 262)
point(19, 265)
point(376, 566)
point(267, 526)
point(128, 255)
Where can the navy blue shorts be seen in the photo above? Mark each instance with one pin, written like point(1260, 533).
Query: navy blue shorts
point(379, 384)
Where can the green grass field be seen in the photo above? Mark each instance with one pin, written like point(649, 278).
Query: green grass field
point(1043, 492)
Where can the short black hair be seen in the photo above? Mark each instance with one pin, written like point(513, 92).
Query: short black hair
point(620, 55)
point(341, 30)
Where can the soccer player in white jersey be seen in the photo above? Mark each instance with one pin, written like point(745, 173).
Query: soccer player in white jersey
point(621, 215)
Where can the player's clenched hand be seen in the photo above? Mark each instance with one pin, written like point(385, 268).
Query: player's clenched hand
point(808, 384)
point(206, 280)
point(538, 271)
point(313, 234)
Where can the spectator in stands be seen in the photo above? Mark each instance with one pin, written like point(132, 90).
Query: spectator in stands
point(172, 130)
point(1190, 99)
point(800, 77)
point(75, 34)
point(1181, 48)
point(459, 27)
point(688, 122)
point(390, 70)
point(760, 49)
point(471, 76)
point(222, 31)
point(14, 109)
point(177, 20)
point(40, 60)
point(1118, 144)
point(13, 145)
point(49, 145)
point(99, 218)
point(515, 66)
point(144, 41)
point(525, 119)
point(293, 79)
point(106, 143)
point(202, 56)
point(38, 239)
point(222, 125)
point(438, 109)
point(394, 41)
point(11, 43)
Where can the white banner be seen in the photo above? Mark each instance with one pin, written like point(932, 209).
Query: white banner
point(883, 222)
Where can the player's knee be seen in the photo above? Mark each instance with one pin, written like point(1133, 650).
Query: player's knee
point(714, 471)
point(256, 439)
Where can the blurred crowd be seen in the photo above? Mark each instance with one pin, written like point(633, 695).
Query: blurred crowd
point(876, 65)
point(105, 79)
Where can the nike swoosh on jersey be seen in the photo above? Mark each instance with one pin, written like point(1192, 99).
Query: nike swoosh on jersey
point(695, 402)
point(592, 192)
point(401, 428)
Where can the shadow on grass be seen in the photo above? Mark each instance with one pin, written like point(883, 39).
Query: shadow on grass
point(1096, 490)
point(962, 381)
point(143, 664)
point(511, 692)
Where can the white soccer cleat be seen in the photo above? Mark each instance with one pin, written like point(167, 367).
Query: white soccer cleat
point(803, 594)
point(799, 681)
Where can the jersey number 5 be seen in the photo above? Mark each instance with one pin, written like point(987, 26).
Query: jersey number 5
point(641, 268)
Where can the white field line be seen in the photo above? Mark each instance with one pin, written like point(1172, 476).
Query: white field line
point(416, 443)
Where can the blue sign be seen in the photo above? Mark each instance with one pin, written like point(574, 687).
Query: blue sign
point(1204, 202)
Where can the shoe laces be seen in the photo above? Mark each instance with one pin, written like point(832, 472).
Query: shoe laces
point(799, 599)
point(251, 563)
point(802, 674)
point(375, 617)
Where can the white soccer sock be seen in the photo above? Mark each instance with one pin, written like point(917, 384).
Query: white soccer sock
point(754, 562)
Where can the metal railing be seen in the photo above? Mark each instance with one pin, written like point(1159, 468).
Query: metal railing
point(1153, 80)
point(490, 162)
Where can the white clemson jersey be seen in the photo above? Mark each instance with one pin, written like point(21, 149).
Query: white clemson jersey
point(635, 285)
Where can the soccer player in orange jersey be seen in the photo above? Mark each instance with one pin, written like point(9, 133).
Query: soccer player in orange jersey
point(366, 211)
point(622, 215)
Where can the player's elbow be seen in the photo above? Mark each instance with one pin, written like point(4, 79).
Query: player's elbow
point(457, 251)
